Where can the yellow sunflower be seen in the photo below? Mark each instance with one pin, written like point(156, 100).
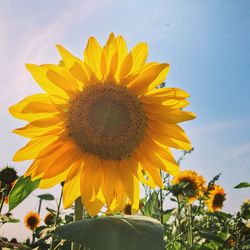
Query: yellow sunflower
point(193, 185)
point(216, 198)
point(32, 220)
point(102, 125)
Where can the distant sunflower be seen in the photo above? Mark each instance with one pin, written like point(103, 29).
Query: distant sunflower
point(191, 185)
point(216, 198)
point(32, 220)
point(127, 209)
point(102, 125)
point(49, 219)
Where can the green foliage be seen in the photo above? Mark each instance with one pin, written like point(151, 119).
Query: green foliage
point(116, 232)
point(47, 197)
point(243, 185)
point(21, 190)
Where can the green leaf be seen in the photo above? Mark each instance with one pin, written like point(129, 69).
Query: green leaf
point(245, 244)
point(167, 214)
point(151, 205)
point(48, 197)
point(116, 232)
point(243, 185)
point(211, 236)
point(22, 188)
point(7, 218)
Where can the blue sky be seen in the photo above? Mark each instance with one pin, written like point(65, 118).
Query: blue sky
point(207, 44)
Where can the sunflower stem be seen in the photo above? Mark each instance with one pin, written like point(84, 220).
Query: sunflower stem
point(161, 203)
point(39, 207)
point(190, 225)
point(56, 219)
point(78, 216)
point(2, 201)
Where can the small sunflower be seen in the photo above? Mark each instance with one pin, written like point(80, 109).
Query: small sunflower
point(190, 185)
point(49, 219)
point(127, 209)
point(102, 126)
point(216, 198)
point(8, 175)
point(32, 220)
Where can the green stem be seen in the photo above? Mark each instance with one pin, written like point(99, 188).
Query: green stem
point(78, 216)
point(56, 219)
point(2, 202)
point(178, 224)
point(39, 207)
point(190, 226)
point(161, 203)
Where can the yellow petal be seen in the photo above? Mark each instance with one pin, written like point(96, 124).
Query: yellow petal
point(151, 170)
point(159, 157)
point(110, 172)
point(71, 188)
point(109, 59)
point(92, 56)
point(130, 183)
point(122, 53)
point(38, 106)
point(30, 131)
point(170, 130)
point(137, 170)
point(64, 81)
point(150, 77)
point(174, 116)
point(163, 153)
point(33, 148)
point(39, 73)
point(134, 61)
point(91, 178)
point(163, 94)
point(65, 160)
point(93, 207)
point(58, 119)
point(49, 183)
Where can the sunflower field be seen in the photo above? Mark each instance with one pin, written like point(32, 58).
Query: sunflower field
point(103, 130)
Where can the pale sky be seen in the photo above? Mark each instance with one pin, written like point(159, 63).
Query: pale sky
point(207, 44)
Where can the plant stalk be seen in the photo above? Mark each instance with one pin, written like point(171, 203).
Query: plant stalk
point(56, 219)
point(78, 216)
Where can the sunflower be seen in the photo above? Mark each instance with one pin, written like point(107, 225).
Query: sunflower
point(49, 219)
point(32, 220)
point(103, 125)
point(127, 209)
point(190, 185)
point(216, 198)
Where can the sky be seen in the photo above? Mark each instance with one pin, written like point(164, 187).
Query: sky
point(207, 44)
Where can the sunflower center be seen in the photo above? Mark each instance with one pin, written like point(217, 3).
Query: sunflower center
point(32, 221)
point(218, 200)
point(189, 186)
point(107, 120)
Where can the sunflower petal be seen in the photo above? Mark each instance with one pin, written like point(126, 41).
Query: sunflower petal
point(92, 56)
point(149, 78)
point(91, 178)
point(71, 187)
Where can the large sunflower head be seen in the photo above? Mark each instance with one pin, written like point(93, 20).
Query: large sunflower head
point(32, 220)
point(189, 184)
point(102, 124)
point(216, 198)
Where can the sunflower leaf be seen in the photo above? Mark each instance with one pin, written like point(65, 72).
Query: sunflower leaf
point(243, 185)
point(48, 197)
point(23, 187)
point(144, 233)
